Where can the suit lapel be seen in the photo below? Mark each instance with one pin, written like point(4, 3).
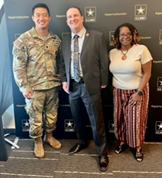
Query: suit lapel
point(86, 38)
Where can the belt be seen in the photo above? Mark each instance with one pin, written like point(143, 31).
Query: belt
point(81, 81)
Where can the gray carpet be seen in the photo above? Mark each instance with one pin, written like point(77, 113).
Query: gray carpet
point(58, 164)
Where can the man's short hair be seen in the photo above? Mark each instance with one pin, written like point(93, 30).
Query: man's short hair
point(76, 8)
point(40, 5)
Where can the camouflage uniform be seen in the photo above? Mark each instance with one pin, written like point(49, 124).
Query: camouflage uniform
point(35, 67)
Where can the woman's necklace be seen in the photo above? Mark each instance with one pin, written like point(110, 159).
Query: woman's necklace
point(124, 54)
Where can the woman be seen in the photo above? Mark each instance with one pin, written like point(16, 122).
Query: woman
point(130, 64)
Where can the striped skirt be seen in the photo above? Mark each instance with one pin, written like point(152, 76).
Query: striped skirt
point(130, 121)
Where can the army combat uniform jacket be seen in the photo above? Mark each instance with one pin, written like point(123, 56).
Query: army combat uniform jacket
point(36, 61)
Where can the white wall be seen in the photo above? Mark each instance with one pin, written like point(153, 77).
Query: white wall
point(8, 116)
point(1, 3)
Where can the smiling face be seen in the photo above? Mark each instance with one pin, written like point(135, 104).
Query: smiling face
point(74, 20)
point(41, 19)
point(125, 37)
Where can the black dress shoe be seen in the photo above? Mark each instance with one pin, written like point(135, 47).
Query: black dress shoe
point(120, 148)
point(76, 148)
point(103, 162)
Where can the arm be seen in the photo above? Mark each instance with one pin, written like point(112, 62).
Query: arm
point(146, 69)
point(103, 62)
point(19, 68)
point(63, 73)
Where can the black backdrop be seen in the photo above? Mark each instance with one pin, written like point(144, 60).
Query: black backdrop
point(105, 16)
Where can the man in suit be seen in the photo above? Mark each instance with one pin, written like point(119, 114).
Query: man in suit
point(85, 92)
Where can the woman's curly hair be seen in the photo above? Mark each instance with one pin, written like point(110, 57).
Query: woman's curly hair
point(134, 33)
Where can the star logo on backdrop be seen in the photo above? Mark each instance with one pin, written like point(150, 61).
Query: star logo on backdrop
point(25, 125)
point(111, 126)
point(159, 83)
point(17, 35)
point(69, 125)
point(160, 37)
point(158, 127)
point(140, 10)
point(111, 38)
point(90, 12)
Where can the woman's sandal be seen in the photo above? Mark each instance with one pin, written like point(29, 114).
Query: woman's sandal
point(120, 148)
point(139, 155)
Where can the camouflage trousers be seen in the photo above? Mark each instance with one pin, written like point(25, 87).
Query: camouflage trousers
point(42, 110)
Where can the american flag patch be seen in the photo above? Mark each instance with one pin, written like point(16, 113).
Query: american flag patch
point(17, 43)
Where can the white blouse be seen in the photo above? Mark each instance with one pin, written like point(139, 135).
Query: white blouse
point(128, 73)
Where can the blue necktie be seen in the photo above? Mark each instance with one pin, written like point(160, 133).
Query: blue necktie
point(76, 59)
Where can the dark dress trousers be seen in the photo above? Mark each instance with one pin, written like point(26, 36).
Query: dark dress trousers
point(87, 94)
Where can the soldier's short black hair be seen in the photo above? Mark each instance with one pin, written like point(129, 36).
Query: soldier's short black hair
point(40, 5)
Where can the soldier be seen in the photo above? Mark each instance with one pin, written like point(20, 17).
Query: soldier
point(35, 67)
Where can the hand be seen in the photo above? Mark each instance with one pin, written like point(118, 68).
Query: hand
point(103, 86)
point(28, 94)
point(134, 99)
point(65, 87)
